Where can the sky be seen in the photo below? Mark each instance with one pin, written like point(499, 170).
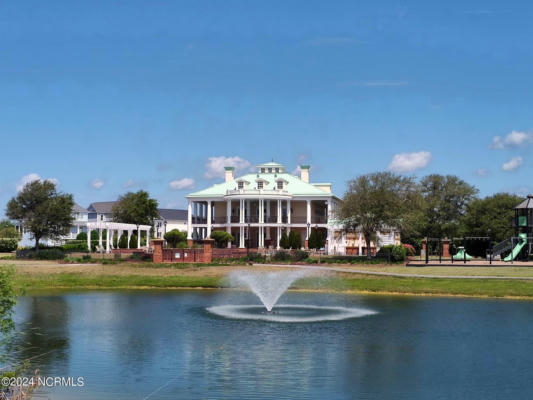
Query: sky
point(105, 97)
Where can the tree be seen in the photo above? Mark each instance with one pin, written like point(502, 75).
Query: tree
point(284, 241)
point(7, 302)
point(379, 201)
point(295, 240)
point(174, 237)
point(317, 239)
point(8, 230)
point(43, 211)
point(221, 238)
point(135, 208)
point(494, 212)
point(446, 199)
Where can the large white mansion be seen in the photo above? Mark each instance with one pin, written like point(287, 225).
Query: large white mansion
point(258, 207)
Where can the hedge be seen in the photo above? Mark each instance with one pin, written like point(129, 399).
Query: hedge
point(8, 244)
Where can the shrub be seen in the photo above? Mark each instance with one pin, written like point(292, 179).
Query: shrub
point(396, 253)
point(174, 237)
point(409, 249)
point(284, 241)
point(221, 238)
point(317, 239)
point(281, 256)
point(8, 244)
point(82, 236)
point(133, 241)
point(141, 257)
point(295, 240)
point(123, 241)
point(256, 258)
point(299, 255)
point(74, 245)
point(55, 253)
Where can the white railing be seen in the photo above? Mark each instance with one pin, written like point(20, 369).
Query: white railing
point(258, 192)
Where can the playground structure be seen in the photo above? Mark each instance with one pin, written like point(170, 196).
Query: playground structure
point(517, 248)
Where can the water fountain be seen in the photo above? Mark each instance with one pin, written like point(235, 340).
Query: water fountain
point(269, 287)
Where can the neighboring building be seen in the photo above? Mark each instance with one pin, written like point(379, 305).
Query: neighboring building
point(257, 207)
point(168, 220)
point(101, 211)
point(79, 225)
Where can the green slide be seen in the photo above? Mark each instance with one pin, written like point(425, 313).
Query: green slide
point(461, 254)
point(521, 243)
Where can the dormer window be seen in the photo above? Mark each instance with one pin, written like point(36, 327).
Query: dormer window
point(260, 185)
point(240, 185)
point(280, 185)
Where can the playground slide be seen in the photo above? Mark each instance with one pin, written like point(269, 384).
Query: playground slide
point(461, 255)
point(517, 248)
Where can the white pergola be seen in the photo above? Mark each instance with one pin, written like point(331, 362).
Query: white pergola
point(119, 228)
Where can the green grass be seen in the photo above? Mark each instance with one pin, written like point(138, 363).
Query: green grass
point(375, 284)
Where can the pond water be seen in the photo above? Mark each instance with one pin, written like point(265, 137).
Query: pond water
point(167, 345)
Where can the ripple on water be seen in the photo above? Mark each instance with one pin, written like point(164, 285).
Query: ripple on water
point(289, 312)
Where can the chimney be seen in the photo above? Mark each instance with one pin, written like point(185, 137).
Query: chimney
point(229, 173)
point(304, 173)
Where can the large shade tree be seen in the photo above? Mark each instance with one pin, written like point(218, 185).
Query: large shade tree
point(379, 201)
point(43, 210)
point(135, 208)
point(446, 198)
point(492, 214)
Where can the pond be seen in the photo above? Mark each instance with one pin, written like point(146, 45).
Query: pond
point(167, 345)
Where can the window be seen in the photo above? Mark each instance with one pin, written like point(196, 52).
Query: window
point(277, 170)
point(240, 185)
point(280, 185)
point(262, 170)
point(260, 185)
point(270, 170)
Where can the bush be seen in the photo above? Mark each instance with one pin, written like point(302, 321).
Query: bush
point(74, 245)
point(133, 241)
point(82, 236)
point(397, 253)
point(409, 248)
point(317, 239)
point(281, 256)
point(299, 255)
point(256, 258)
point(55, 253)
point(8, 245)
point(284, 241)
point(221, 238)
point(174, 237)
point(141, 257)
point(295, 240)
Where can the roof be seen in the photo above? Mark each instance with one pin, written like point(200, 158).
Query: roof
point(170, 214)
point(527, 203)
point(295, 186)
point(78, 209)
point(101, 207)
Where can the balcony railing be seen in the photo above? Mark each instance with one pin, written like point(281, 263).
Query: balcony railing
point(258, 192)
point(220, 220)
point(298, 220)
point(271, 219)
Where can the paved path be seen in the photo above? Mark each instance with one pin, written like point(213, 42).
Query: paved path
point(366, 272)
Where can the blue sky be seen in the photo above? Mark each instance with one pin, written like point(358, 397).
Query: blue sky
point(111, 96)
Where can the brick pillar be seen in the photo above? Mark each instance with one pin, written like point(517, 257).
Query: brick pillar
point(446, 248)
point(157, 245)
point(208, 250)
point(306, 244)
point(190, 242)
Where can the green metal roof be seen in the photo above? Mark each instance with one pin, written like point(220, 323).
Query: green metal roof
point(294, 186)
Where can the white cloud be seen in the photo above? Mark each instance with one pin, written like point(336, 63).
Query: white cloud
point(512, 164)
point(409, 162)
point(482, 172)
point(513, 139)
point(129, 184)
point(31, 178)
point(97, 183)
point(178, 184)
point(214, 168)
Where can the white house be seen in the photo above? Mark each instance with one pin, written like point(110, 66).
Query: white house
point(168, 220)
point(101, 211)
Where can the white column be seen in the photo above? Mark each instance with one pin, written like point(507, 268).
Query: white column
point(248, 209)
point(241, 237)
point(129, 237)
point(288, 211)
point(120, 232)
point(100, 237)
point(111, 237)
point(241, 211)
point(138, 238)
point(278, 237)
point(308, 219)
point(148, 238)
point(268, 232)
point(228, 211)
point(209, 212)
point(279, 211)
point(228, 230)
point(268, 210)
point(189, 221)
point(329, 211)
point(261, 211)
point(360, 243)
point(107, 241)
point(89, 239)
